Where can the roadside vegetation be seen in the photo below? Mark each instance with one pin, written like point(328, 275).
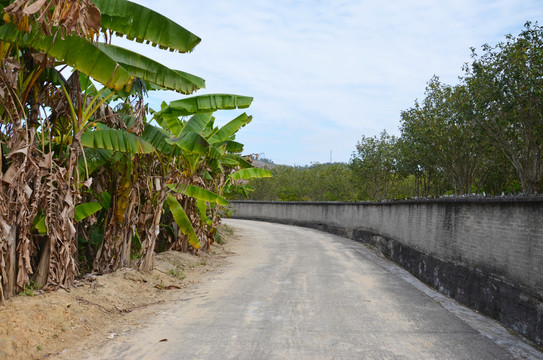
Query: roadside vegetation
point(92, 178)
point(482, 136)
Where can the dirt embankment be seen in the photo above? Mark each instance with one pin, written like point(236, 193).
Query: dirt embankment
point(46, 325)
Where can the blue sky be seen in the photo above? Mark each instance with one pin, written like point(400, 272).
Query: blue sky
point(324, 73)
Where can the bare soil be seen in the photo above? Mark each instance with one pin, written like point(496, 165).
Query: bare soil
point(52, 325)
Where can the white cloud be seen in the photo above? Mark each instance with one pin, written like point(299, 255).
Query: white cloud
point(324, 73)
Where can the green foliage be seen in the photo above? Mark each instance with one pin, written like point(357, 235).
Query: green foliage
point(29, 289)
point(177, 272)
point(116, 140)
point(182, 220)
point(373, 166)
point(318, 182)
point(93, 150)
point(141, 23)
point(85, 210)
point(482, 136)
point(204, 104)
point(147, 69)
point(198, 193)
point(73, 50)
point(506, 83)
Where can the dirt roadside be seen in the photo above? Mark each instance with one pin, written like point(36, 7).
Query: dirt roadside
point(50, 325)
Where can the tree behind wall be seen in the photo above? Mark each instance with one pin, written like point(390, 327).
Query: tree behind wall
point(506, 82)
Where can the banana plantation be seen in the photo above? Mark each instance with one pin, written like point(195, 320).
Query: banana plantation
point(92, 178)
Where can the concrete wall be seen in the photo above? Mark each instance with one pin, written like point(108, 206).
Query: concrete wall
point(486, 253)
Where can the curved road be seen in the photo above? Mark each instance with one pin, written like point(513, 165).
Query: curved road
point(296, 293)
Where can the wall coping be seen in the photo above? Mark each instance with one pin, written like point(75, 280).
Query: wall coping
point(520, 199)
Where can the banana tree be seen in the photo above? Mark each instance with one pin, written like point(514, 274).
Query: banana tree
point(183, 152)
point(209, 155)
point(53, 185)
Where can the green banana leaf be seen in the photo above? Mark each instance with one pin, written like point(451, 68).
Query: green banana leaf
point(82, 211)
point(94, 158)
point(197, 123)
point(116, 140)
point(39, 224)
point(202, 210)
point(230, 129)
point(215, 166)
point(149, 70)
point(205, 103)
point(85, 210)
point(207, 176)
point(216, 152)
point(191, 142)
point(227, 161)
point(246, 189)
point(140, 23)
point(158, 138)
point(104, 198)
point(174, 125)
point(234, 160)
point(234, 147)
point(182, 220)
point(251, 173)
point(74, 51)
point(198, 193)
point(244, 164)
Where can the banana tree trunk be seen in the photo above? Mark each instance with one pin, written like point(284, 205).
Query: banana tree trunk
point(43, 267)
point(147, 260)
point(114, 252)
point(8, 262)
point(151, 214)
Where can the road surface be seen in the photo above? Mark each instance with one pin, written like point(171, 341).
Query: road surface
point(296, 293)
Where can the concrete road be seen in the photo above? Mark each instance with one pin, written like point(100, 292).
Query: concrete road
point(296, 293)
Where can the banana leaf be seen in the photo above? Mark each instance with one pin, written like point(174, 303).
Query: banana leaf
point(191, 142)
point(104, 198)
point(149, 70)
point(198, 193)
point(85, 210)
point(202, 210)
point(82, 211)
point(116, 140)
point(158, 138)
point(197, 123)
point(216, 152)
point(205, 103)
point(215, 166)
point(234, 147)
point(74, 51)
point(142, 24)
point(182, 221)
point(230, 129)
point(244, 164)
point(95, 158)
point(39, 224)
point(174, 125)
point(227, 161)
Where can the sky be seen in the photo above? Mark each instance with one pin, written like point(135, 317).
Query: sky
point(325, 73)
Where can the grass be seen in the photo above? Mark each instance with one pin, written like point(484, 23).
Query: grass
point(29, 289)
point(177, 272)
